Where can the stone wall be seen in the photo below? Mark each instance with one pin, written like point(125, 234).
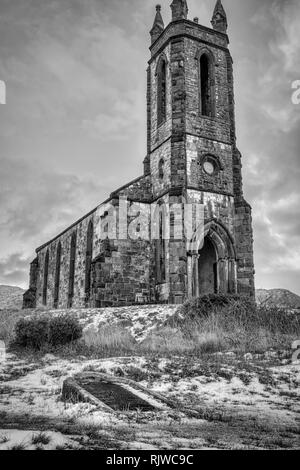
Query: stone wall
point(160, 185)
point(218, 126)
point(222, 180)
point(80, 259)
point(189, 28)
point(216, 206)
point(159, 134)
point(121, 273)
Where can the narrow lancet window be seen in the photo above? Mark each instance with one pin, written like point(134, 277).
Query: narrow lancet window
point(57, 275)
point(161, 92)
point(88, 259)
point(206, 87)
point(46, 271)
point(72, 270)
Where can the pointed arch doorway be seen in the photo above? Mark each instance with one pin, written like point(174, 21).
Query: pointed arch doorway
point(207, 269)
point(211, 261)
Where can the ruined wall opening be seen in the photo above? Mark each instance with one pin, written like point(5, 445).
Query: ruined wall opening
point(161, 170)
point(57, 276)
point(161, 244)
point(206, 105)
point(88, 259)
point(161, 91)
point(72, 270)
point(207, 269)
point(46, 273)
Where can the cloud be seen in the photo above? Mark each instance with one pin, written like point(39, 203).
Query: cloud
point(14, 269)
point(36, 202)
point(74, 126)
point(118, 124)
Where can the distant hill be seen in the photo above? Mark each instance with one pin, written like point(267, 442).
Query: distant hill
point(11, 297)
point(278, 298)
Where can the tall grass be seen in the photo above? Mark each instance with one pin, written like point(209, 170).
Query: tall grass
point(8, 320)
point(109, 339)
point(232, 322)
point(205, 325)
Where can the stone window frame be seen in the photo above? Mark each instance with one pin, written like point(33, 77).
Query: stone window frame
point(214, 159)
point(161, 169)
point(46, 275)
point(161, 111)
point(160, 243)
point(88, 258)
point(57, 275)
point(212, 65)
point(73, 246)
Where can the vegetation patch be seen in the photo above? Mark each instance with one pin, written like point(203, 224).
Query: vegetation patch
point(39, 331)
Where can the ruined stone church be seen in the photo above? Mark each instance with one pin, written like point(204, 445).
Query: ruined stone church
point(192, 158)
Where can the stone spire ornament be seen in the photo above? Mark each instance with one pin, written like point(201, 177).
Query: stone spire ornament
point(219, 19)
point(158, 25)
point(179, 10)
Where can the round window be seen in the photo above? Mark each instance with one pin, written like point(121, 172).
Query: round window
point(209, 167)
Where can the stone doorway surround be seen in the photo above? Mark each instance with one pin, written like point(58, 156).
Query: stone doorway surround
point(226, 262)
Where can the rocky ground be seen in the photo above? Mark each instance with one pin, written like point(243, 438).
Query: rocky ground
point(242, 402)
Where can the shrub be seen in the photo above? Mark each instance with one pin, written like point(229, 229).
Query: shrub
point(203, 307)
point(218, 322)
point(38, 331)
point(40, 438)
point(64, 329)
point(8, 320)
point(32, 332)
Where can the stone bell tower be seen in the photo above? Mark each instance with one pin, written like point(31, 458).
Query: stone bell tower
point(192, 154)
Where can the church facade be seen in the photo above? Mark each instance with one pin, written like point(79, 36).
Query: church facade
point(135, 247)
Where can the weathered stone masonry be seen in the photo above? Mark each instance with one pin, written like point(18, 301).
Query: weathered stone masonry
point(191, 157)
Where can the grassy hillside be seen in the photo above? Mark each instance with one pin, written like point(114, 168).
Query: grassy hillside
point(281, 298)
point(11, 297)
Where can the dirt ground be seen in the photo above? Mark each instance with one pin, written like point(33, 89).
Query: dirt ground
point(241, 402)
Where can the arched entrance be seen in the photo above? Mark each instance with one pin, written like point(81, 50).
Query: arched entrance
point(211, 261)
point(207, 268)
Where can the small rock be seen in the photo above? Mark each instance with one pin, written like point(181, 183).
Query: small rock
point(248, 357)
point(270, 354)
point(230, 354)
point(49, 358)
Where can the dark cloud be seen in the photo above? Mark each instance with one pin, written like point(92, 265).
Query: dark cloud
point(74, 126)
point(33, 200)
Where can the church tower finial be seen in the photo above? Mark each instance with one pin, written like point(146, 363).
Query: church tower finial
point(158, 25)
point(219, 19)
point(179, 10)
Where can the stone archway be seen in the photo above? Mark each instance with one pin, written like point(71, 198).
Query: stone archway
point(211, 261)
point(207, 268)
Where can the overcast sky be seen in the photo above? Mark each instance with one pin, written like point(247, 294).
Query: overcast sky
point(74, 126)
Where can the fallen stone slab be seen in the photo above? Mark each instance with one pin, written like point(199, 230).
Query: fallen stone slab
point(112, 394)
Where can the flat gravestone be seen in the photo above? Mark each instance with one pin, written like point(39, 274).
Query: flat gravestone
point(115, 395)
point(111, 393)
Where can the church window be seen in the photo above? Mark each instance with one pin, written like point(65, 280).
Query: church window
point(57, 275)
point(206, 88)
point(88, 258)
point(161, 91)
point(161, 169)
point(46, 272)
point(209, 167)
point(211, 164)
point(72, 270)
point(161, 248)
